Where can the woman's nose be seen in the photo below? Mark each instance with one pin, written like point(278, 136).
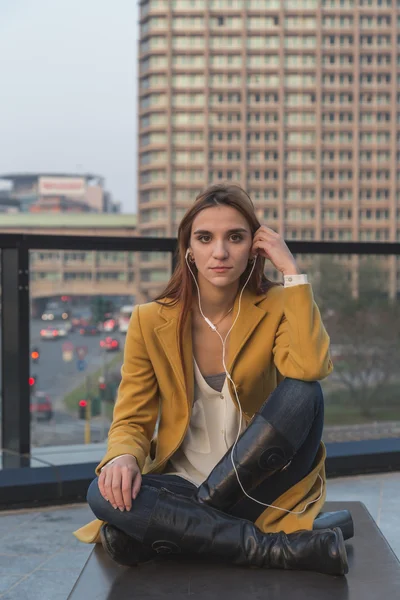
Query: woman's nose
point(220, 252)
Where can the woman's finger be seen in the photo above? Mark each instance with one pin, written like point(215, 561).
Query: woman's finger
point(100, 483)
point(108, 486)
point(117, 487)
point(268, 230)
point(126, 486)
point(136, 484)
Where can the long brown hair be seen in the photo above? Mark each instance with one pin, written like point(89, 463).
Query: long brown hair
point(181, 286)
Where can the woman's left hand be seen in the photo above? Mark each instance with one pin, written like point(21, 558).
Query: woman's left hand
point(269, 244)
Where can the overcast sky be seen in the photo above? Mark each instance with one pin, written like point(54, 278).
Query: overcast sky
point(68, 85)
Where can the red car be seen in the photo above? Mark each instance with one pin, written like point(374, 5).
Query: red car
point(109, 344)
point(81, 319)
point(89, 330)
point(41, 406)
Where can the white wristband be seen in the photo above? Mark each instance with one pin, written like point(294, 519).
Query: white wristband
point(291, 280)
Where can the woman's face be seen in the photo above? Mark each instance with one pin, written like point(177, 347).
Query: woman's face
point(214, 242)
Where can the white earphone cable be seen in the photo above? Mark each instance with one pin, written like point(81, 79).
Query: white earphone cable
point(212, 326)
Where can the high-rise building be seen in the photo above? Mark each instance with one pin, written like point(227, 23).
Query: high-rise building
point(294, 100)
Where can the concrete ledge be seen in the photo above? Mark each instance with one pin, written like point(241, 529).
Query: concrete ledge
point(374, 572)
point(30, 488)
point(72, 468)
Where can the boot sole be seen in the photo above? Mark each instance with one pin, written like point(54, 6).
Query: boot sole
point(341, 519)
point(342, 551)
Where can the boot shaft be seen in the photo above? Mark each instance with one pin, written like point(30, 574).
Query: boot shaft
point(260, 452)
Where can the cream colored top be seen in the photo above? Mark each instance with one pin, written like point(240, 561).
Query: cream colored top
point(212, 429)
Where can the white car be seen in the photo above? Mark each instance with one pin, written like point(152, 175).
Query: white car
point(124, 318)
point(53, 333)
point(109, 325)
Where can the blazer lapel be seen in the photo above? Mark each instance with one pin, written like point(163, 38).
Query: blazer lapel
point(167, 333)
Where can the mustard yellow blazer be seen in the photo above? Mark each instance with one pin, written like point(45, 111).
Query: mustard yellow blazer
point(278, 334)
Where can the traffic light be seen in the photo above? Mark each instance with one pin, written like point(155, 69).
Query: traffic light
point(32, 382)
point(102, 388)
point(82, 409)
point(35, 355)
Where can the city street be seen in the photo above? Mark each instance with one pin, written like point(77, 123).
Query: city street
point(57, 378)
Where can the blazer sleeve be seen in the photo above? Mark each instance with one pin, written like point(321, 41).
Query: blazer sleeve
point(136, 409)
point(301, 345)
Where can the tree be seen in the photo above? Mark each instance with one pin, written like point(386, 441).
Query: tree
point(100, 307)
point(363, 330)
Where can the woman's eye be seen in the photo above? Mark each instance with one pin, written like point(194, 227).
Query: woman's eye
point(236, 235)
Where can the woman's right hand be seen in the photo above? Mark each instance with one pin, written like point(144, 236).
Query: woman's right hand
point(120, 481)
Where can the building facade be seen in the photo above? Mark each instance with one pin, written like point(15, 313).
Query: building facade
point(294, 100)
point(74, 272)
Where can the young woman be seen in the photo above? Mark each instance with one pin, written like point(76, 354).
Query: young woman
point(235, 471)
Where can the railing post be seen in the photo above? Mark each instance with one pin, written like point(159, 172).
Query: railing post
point(174, 257)
point(15, 329)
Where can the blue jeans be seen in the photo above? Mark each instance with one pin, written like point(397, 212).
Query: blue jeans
point(295, 408)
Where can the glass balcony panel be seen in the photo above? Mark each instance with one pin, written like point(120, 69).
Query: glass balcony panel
point(358, 297)
point(81, 302)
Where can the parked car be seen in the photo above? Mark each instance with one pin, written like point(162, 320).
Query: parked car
point(41, 406)
point(110, 344)
point(53, 332)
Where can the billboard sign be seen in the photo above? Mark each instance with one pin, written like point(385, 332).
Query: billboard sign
point(74, 187)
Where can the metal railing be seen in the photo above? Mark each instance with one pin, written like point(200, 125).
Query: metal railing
point(15, 318)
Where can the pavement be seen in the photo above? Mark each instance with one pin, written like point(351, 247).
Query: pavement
point(40, 559)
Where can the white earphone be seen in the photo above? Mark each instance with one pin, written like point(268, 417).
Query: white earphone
point(212, 326)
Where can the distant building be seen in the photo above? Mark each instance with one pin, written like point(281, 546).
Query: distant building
point(60, 204)
point(60, 192)
point(8, 204)
point(77, 272)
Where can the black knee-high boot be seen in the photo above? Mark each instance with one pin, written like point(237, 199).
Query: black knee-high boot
point(127, 551)
point(179, 524)
point(260, 452)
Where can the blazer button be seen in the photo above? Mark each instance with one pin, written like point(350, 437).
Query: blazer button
point(221, 396)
